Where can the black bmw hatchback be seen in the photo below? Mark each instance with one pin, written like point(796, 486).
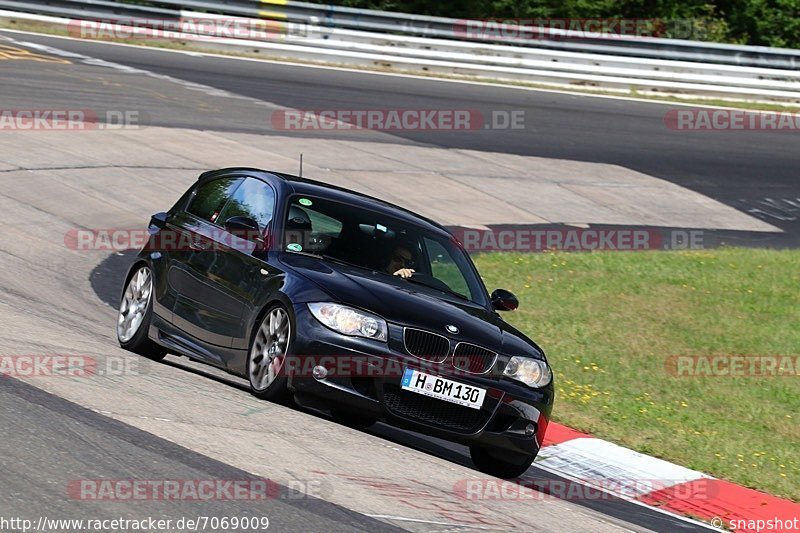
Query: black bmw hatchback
point(344, 303)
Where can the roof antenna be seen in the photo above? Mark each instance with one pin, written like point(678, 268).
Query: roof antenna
point(301, 165)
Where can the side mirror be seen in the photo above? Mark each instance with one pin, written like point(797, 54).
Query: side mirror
point(244, 228)
point(158, 221)
point(503, 300)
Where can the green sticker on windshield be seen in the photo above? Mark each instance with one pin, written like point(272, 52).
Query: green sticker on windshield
point(294, 247)
point(305, 201)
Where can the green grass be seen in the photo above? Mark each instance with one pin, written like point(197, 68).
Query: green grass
point(608, 321)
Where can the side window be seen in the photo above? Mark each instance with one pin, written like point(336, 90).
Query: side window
point(445, 269)
point(323, 224)
point(208, 200)
point(309, 227)
point(253, 199)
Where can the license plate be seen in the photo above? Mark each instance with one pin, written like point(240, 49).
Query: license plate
point(443, 389)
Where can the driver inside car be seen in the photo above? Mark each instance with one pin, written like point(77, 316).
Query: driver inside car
point(400, 262)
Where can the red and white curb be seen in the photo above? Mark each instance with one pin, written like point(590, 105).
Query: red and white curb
point(656, 483)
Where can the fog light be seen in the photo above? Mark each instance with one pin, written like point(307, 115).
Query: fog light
point(319, 372)
point(530, 430)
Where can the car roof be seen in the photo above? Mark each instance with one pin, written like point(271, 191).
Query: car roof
point(310, 187)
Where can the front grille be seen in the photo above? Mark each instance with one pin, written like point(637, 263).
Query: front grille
point(473, 359)
point(426, 345)
point(432, 411)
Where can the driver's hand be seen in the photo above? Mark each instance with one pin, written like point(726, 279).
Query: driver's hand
point(405, 272)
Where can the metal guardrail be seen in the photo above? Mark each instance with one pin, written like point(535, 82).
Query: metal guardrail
point(447, 28)
point(309, 36)
point(90, 9)
point(443, 28)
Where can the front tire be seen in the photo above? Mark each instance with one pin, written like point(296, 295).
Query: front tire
point(135, 315)
point(267, 354)
point(488, 462)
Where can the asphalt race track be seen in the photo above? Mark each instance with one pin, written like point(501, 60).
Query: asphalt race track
point(755, 171)
point(75, 439)
point(179, 420)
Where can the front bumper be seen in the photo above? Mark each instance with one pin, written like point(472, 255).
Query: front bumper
point(364, 378)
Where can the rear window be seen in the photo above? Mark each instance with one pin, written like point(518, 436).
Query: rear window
point(208, 200)
point(253, 199)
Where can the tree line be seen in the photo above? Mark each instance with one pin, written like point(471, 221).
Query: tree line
point(755, 22)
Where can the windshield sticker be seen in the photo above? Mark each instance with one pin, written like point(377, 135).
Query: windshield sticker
point(306, 202)
point(294, 247)
point(382, 228)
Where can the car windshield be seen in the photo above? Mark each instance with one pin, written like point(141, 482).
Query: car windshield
point(340, 232)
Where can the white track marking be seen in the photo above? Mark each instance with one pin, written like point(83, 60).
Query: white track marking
point(420, 521)
point(93, 61)
point(567, 476)
point(600, 460)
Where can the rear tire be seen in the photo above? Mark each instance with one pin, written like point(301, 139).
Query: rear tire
point(135, 315)
point(487, 461)
point(266, 356)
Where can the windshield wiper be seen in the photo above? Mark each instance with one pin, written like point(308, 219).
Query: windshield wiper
point(331, 258)
point(342, 261)
point(437, 288)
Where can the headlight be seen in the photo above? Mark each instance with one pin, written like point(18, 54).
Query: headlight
point(531, 372)
point(349, 321)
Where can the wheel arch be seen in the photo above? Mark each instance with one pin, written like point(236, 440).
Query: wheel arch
point(276, 298)
point(139, 262)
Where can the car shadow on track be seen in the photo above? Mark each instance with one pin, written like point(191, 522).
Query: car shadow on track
point(107, 278)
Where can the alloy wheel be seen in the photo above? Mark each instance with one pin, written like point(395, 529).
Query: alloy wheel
point(134, 303)
point(269, 349)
